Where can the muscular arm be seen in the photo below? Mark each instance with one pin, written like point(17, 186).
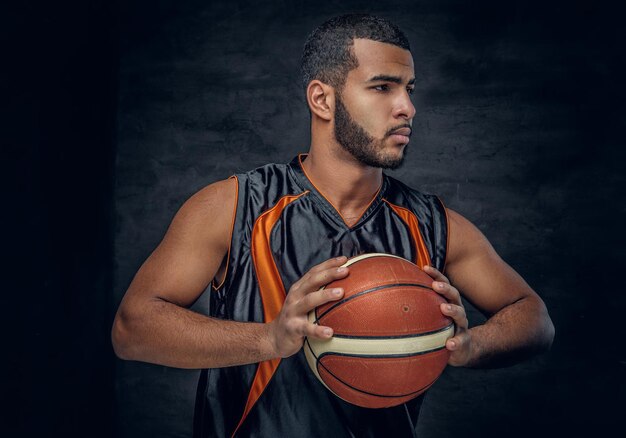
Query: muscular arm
point(153, 323)
point(518, 325)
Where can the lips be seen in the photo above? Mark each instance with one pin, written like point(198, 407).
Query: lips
point(402, 131)
point(401, 135)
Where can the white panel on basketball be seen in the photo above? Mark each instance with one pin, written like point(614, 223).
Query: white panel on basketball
point(382, 347)
point(367, 256)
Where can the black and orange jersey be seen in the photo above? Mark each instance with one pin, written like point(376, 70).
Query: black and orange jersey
point(283, 226)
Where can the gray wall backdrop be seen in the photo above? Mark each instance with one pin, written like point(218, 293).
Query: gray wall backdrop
point(114, 113)
point(516, 129)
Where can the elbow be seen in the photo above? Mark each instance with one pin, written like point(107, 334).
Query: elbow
point(546, 330)
point(120, 338)
point(548, 333)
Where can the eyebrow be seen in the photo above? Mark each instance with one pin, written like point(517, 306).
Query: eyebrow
point(388, 78)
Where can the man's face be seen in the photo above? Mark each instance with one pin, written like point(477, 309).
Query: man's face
point(374, 112)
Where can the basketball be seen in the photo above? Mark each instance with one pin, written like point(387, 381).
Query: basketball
point(389, 336)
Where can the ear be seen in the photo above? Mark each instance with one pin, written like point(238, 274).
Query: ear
point(321, 99)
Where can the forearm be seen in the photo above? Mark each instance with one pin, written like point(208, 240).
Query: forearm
point(167, 334)
point(515, 333)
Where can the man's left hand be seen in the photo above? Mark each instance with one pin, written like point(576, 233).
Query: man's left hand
point(460, 345)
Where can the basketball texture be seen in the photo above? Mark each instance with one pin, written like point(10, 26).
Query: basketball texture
point(389, 333)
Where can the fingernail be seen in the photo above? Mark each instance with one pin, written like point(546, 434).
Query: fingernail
point(448, 307)
point(340, 258)
point(452, 344)
point(439, 285)
point(328, 332)
point(337, 292)
point(342, 269)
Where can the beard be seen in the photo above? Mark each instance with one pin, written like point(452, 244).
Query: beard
point(354, 139)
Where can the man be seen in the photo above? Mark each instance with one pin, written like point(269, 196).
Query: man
point(270, 238)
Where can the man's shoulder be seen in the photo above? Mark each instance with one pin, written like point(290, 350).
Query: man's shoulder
point(206, 215)
point(211, 197)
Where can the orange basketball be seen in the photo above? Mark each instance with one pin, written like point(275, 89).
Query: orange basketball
point(389, 333)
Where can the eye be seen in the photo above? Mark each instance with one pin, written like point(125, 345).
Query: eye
point(410, 90)
point(383, 87)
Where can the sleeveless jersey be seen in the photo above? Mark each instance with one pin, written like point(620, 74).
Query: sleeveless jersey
point(283, 226)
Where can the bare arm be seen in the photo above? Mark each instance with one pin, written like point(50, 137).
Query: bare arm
point(153, 323)
point(518, 325)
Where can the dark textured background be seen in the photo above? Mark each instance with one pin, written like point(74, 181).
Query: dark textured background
point(114, 115)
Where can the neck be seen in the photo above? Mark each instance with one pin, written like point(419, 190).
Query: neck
point(348, 184)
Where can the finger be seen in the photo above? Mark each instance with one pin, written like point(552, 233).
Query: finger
point(448, 291)
point(317, 298)
point(457, 313)
point(318, 331)
point(435, 274)
point(311, 282)
point(330, 263)
point(457, 342)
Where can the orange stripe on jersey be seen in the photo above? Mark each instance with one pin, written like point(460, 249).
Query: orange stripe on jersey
point(422, 256)
point(271, 289)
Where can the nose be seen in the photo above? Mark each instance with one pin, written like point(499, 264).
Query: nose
point(404, 108)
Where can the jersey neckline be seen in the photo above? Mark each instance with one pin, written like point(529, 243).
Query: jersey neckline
point(305, 183)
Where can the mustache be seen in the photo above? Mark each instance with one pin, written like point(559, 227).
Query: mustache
point(393, 130)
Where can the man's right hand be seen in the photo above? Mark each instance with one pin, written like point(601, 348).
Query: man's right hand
point(288, 330)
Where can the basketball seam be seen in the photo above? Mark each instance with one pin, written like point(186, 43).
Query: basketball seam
point(380, 356)
point(416, 335)
point(377, 288)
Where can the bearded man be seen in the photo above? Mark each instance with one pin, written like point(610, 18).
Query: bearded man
point(270, 238)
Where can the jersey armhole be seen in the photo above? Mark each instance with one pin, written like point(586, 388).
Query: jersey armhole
point(214, 283)
point(447, 222)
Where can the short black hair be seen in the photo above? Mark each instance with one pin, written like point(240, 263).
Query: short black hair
point(328, 54)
